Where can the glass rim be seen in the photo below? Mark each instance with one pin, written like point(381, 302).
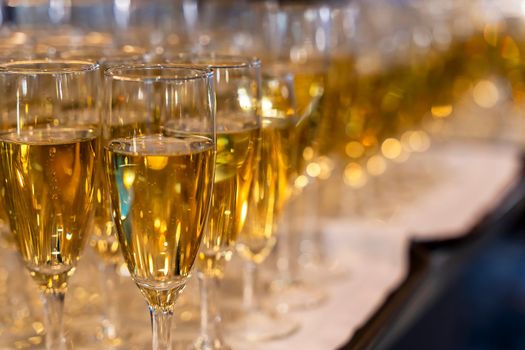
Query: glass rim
point(231, 61)
point(55, 66)
point(117, 72)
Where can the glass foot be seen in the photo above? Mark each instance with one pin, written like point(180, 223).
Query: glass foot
point(330, 271)
point(210, 344)
point(259, 326)
point(295, 296)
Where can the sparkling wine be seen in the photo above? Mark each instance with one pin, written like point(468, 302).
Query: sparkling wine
point(237, 143)
point(299, 111)
point(49, 181)
point(337, 104)
point(270, 188)
point(160, 191)
point(309, 85)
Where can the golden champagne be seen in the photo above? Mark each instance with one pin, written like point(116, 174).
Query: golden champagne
point(282, 133)
point(308, 90)
point(104, 238)
point(337, 103)
point(237, 143)
point(49, 177)
point(309, 85)
point(270, 189)
point(160, 190)
point(279, 116)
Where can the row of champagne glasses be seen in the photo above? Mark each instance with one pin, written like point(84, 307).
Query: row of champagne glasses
point(296, 75)
point(158, 141)
point(303, 51)
point(104, 231)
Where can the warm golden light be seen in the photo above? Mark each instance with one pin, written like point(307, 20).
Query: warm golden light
point(391, 148)
point(485, 94)
point(354, 175)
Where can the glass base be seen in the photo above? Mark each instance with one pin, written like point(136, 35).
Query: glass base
point(260, 326)
point(329, 271)
point(295, 296)
point(209, 344)
point(113, 338)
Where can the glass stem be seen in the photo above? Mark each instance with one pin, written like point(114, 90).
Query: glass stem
point(211, 333)
point(110, 322)
point(283, 247)
point(53, 301)
point(161, 320)
point(249, 296)
point(319, 243)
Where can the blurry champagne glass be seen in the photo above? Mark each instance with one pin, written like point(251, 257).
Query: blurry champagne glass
point(104, 239)
point(297, 37)
point(270, 191)
point(19, 313)
point(159, 143)
point(237, 81)
point(329, 149)
point(48, 156)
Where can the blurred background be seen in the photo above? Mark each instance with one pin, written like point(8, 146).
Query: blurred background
point(419, 127)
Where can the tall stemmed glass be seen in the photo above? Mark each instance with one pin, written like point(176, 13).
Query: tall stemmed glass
point(297, 37)
point(159, 149)
point(270, 191)
point(237, 82)
point(47, 164)
point(104, 239)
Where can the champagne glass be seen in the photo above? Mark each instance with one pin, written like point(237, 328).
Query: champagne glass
point(159, 147)
point(297, 38)
point(270, 190)
point(237, 81)
point(104, 239)
point(47, 163)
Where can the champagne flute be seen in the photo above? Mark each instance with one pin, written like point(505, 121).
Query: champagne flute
point(47, 163)
point(270, 191)
point(104, 239)
point(159, 148)
point(237, 81)
point(297, 38)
